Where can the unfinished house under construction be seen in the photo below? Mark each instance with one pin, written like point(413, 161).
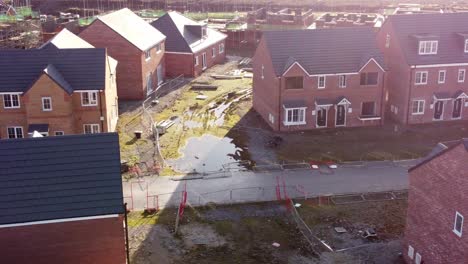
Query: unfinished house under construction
point(19, 27)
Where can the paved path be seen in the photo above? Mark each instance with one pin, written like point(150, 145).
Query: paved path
point(249, 186)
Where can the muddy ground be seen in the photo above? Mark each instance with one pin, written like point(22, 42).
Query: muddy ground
point(246, 233)
point(227, 114)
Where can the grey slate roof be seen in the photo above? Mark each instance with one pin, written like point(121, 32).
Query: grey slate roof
point(59, 177)
point(442, 96)
point(448, 28)
point(323, 51)
point(73, 69)
point(180, 36)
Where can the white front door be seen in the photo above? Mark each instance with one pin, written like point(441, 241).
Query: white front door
point(204, 60)
point(160, 76)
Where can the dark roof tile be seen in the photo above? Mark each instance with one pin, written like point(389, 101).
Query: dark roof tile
point(59, 177)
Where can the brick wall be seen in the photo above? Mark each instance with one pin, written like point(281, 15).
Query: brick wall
point(67, 115)
point(92, 241)
point(268, 101)
point(132, 66)
point(437, 192)
point(179, 63)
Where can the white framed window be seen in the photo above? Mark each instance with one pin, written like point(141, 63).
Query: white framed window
point(196, 61)
point(428, 47)
point(387, 41)
point(149, 83)
point(421, 77)
point(158, 48)
point(15, 132)
point(46, 104)
point(11, 101)
point(221, 48)
point(203, 32)
point(410, 252)
point(461, 75)
point(295, 116)
point(441, 78)
point(321, 82)
point(466, 45)
point(418, 107)
point(458, 225)
point(91, 128)
point(396, 110)
point(148, 54)
point(89, 98)
point(59, 133)
point(418, 258)
point(271, 118)
point(342, 82)
point(263, 71)
point(213, 52)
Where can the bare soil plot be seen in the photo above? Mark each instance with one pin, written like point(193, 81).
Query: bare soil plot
point(245, 234)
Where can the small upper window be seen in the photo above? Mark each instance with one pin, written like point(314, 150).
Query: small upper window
point(196, 61)
point(221, 48)
point(46, 104)
point(458, 226)
point(148, 54)
point(428, 47)
point(91, 128)
point(461, 75)
point(263, 72)
point(59, 133)
point(342, 83)
point(11, 101)
point(410, 252)
point(369, 78)
point(418, 107)
point(158, 48)
point(466, 45)
point(89, 98)
point(421, 78)
point(321, 82)
point(442, 76)
point(213, 52)
point(294, 82)
point(387, 41)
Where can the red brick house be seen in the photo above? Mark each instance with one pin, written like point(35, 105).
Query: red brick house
point(437, 205)
point(325, 78)
point(57, 91)
point(136, 45)
point(58, 210)
point(427, 58)
point(191, 47)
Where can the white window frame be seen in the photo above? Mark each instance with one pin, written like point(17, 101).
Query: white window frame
point(342, 81)
point(43, 104)
point(299, 122)
point(387, 41)
point(91, 101)
point(461, 80)
point(324, 82)
point(61, 133)
point(16, 132)
point(221, 48)
point(158, 48)
point(418, 258)
point(213, 52)
point(466, 45)
point(94, 128)
point(444, 75)
point(271, 118)
point(263, 72)
point(420, 108)
point(458, 232)
point(428, 47)
point(418, 78)
point(147, 54)
point(410, 252)
point(11, 100)
point(196, 61)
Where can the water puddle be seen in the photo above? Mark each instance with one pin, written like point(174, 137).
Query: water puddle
point(207, 154)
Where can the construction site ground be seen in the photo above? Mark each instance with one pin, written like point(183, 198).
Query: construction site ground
point(227, 113)
point(247, 233)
